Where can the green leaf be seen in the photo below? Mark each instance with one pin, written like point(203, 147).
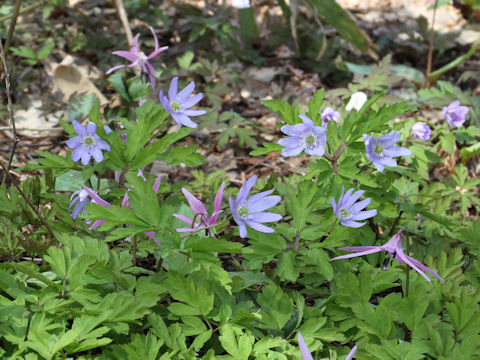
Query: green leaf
point(52, 161)
point(150, 152)
point(286, 269)
point(211, 244)
point(25, 52)
point(266, 149)
point(185, 155)
point(278, 307)
point(236, 342)
point(314, 105)
point(119, 84)
point(45, 50)
point(284, 110)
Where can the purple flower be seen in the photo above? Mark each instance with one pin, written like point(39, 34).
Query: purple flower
point(178, 103)
point(137, 57)
point(455, 114)
point(80, 197)
point(87, 143)
point(394, 250)
point(381, 151)
point(250, 211)
point(328, 115)
point(349, 211)
point(307, 355)
point(303, 137)
point(200, 212)
point(421, 130)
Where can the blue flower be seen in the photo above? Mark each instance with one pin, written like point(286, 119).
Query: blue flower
point(178, 104)
point(349, 211)
point(303, 137)
point(381, 151)
point(250, 211)
point(81, 198)
point(87, 144)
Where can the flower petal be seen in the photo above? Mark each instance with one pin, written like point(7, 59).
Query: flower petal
point(262, 217)
point(245, 190)
point(184, 219)
point(195, 204)
point(306, 355)
point(186, 92)
point(351, 223)
point(74, 142)
point(79, 128)
point(194, 112)
point(183, 120)
point(264, 203)
point(173, 89)
point(361, 253)
point(362, 215)
point(292, 151)
point(91, 128)
point(259, 227)
point(191, 101)
point(131, 56)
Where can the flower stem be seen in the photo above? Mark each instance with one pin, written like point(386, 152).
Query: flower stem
point(333, 159)
point(134, 250)
point(220, 224)
point(407, 285)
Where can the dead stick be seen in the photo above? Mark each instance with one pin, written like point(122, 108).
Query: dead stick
point(10, 106)
point(16, 11)
point(35, 210)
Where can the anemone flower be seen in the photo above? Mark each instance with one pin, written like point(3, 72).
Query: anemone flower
point(249, 210)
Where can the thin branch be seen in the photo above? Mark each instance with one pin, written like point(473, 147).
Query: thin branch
point(430, 48)
point(35, 210)
point(122, 14)
point(10, 106)
point(11, 29)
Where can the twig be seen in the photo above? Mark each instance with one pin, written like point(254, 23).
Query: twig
point(35, 210)
point(10, 106)
point(22, 11)
point(16, 11)
point(123, 18)
point(430, 48)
